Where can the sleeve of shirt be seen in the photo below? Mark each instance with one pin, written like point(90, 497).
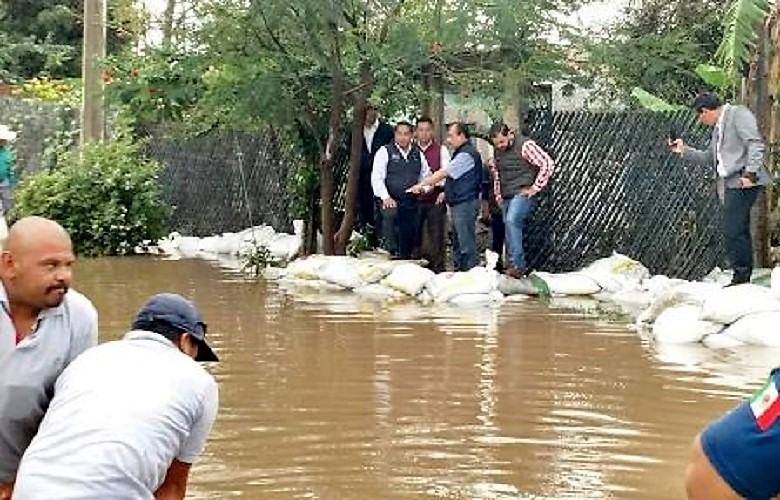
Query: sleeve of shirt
point(536, 156)
point(747, 130)
point(196, 441)
point(379, 174)
point(459, 165)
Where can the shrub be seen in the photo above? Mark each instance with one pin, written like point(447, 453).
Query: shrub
point(108, 198)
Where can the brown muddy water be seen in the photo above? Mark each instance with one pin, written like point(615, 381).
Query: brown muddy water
point(329, 396)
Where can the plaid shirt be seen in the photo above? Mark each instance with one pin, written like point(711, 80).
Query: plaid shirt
point(536, 156)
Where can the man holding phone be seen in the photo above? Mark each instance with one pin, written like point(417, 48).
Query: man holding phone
point(736, 150)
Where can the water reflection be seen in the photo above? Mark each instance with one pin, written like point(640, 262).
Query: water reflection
point(329, 395)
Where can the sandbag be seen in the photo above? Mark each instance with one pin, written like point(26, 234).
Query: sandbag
point(408, 278)
point(518, 286)
point(733, 302)
point(308, 268)
point(228, 244)
point(721, 341)
point(687, 293)
point(758, 329)
point(617, 272)
point(372, 271)
point(341, 271)
point(446, 286)
point(570, 283)
point(470, 299)
point(774, 281)
point(681, 325)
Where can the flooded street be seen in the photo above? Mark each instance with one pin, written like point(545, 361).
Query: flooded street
point(330, 396)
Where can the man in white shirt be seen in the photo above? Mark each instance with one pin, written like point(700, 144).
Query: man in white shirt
point(44, 326)
point(397, 167)
point(128, 417)
point(376, 133)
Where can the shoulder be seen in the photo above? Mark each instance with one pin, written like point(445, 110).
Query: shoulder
point(79, 306)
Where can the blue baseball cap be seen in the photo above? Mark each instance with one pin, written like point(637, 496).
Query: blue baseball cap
point(180, 313)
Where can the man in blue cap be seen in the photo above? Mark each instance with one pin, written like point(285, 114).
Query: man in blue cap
point(128, 417)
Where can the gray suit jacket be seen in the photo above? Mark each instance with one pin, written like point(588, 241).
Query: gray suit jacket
point(742, 148)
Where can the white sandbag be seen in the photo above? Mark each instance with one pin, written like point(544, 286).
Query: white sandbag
point(757, 329)
point(721, 341)
point(570, 283)
point(690, 293)
point(308, 268)
point(285, 247)
point(341, 271)
point(373, 271)
point(681, 325)
point(446, 286)
point(228, 244)
point(733, 302)
point(408, 278)
point(617, 272)
point(189, 246)
point(379, 292)
point(470, 299)
point(774, 281)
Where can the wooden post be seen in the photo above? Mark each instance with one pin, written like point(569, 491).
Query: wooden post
point(92, 112)
point(437, 105)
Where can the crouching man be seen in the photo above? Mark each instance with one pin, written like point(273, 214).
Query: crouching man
point(129, 417)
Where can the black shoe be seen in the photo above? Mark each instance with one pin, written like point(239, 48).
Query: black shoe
point(737, 282)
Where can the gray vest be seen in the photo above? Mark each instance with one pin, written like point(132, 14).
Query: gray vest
point(514, 172)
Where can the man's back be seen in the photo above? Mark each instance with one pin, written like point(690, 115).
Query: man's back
point(122, 412)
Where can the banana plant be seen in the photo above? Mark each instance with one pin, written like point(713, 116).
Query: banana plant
point(742, 27)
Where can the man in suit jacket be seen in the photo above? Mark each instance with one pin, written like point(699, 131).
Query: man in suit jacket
point(376, 133)
point(736, 150)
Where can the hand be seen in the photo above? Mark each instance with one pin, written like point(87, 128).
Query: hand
point(416, 189)
point(441, 198)
point(389, 203)
point(491, 163)
point(6, 490)
point(529, 191)
point(746, 183)
point(484, 210)
point(677, 146)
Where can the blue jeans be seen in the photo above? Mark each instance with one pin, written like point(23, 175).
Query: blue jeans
point(516, 211)
point(464, 222)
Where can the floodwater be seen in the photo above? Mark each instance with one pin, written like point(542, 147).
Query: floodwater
point(328, 396)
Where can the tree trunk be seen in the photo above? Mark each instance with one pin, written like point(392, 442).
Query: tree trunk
point(353, 176)
point(167, 27)
point(92, 110)
point(327, 161)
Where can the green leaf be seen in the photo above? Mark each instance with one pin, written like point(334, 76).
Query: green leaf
point(743, 20)
point(714, 76)
point(653, 103)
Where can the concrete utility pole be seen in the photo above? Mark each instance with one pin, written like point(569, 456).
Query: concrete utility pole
point(92, 112)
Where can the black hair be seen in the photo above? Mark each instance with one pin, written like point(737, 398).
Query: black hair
point(708, 101)
point(163, 328)
point(459, 128)
point(404, 123)
point(425, 119)
point(499, 128)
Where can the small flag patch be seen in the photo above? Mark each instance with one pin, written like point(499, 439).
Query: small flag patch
point(765, 405)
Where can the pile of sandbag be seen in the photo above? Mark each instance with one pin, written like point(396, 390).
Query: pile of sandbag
point(282, 247)
point(714, 315)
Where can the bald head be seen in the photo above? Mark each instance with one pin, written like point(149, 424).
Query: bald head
point(36, 263)
point(32, 232)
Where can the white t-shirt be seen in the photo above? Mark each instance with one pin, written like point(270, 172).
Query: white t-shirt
point(121, 413)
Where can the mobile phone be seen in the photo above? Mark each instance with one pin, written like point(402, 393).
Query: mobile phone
point(674, 132)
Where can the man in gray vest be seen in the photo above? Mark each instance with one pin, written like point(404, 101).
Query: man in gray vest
point(462, 189)
point(736, 150)
point(522, 170)
point(44, 326)
point(398, 166)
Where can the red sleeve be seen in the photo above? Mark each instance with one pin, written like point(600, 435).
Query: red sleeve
point(536, 156)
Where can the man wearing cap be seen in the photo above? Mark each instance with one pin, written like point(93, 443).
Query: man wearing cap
point(44, 326)
point(128, 417)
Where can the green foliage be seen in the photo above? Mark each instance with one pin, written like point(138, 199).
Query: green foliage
point(44, 37)
point(657, 45)
point(742, 20)
point(50, 90)
point(714, 76)
point(358, 244)
point(108, 198)
point(653, 103)
point(258, 258)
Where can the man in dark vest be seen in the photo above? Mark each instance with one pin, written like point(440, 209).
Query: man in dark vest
point(376, 133)
point(462, 189)
point(523, 170)
point(397, 167)
point(433, 210)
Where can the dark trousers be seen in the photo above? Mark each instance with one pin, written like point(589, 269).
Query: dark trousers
point(433, 220)
point(736, 230)
point(400, 227)
point(366, 207)
point(498, 236)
